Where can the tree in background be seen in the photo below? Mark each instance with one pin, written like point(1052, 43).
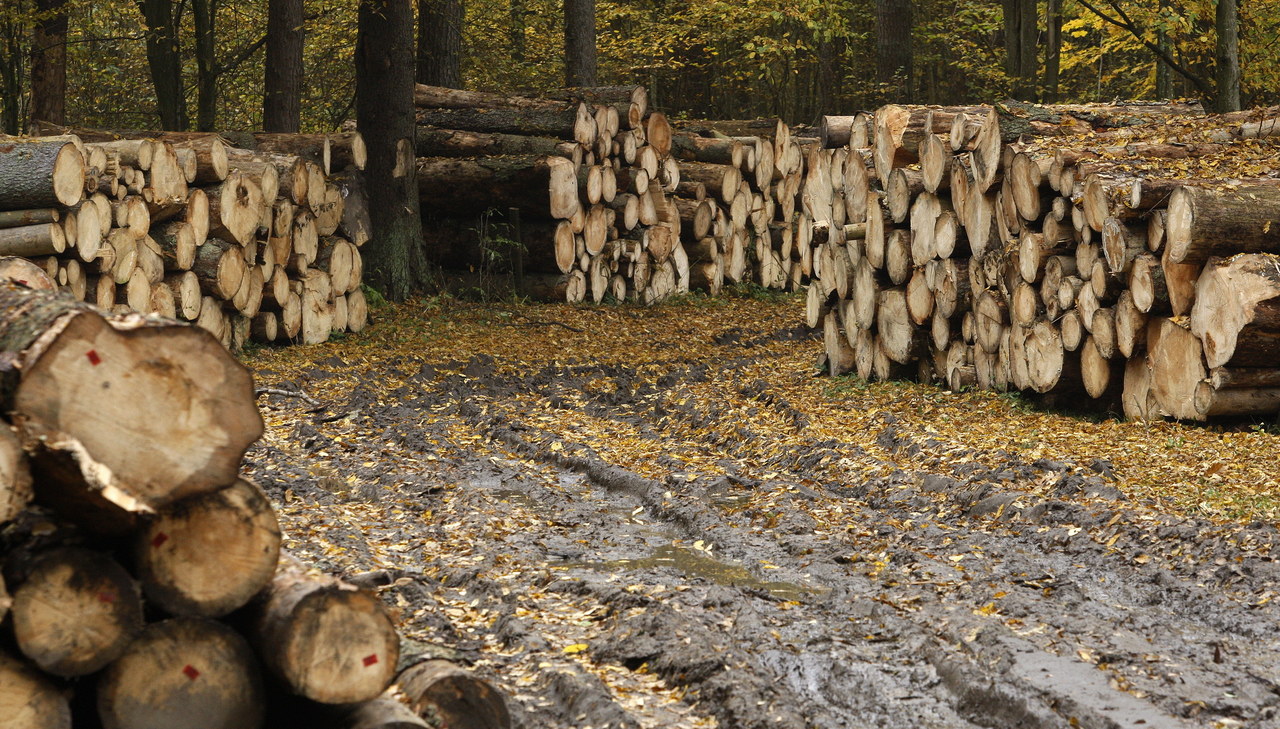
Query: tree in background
point(440, 42)
point(1227, 57)
point(282, 82)
point(579, 43)
point(384, 65)
point(164, 57)
point(1021, 31)
point(1052, 50)
point(12, 61)
point(894, 58)
point(1221, 89)
point(49, 62)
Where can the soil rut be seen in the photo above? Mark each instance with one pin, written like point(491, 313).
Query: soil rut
point(676, 543)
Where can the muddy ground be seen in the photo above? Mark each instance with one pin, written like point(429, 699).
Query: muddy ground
point(665, 519)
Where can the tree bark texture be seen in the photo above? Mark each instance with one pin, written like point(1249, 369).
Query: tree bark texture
point(205, 13)
point(1227, 57)
point(165, 60)
point(384, 111)
point(440, 42)
point(580, 43)
point(282, 84)
point(49, 63)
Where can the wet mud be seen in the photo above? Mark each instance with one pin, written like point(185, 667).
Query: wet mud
point(739, 585)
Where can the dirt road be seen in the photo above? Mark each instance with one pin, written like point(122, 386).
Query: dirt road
point(662, 518)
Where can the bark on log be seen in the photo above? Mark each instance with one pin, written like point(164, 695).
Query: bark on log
point(101, 384)
point(15, 482)
point(575, 123)
point(183, 673)
point(542, 186)
point(36, 173)
point(208, 555)
point(30, 241)
point(427, 96)
point(17, 218)
point(1204, 222)
point(324, 639)
point(433, 142)
point(457, 697)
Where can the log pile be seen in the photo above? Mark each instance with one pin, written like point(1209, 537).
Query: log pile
point(1124, 254)
point(141, 579)
point(258, 243)
point(611, 201)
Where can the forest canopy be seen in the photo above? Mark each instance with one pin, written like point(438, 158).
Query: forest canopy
point(710, 58)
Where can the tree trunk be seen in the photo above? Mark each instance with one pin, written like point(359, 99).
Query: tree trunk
point(516, 29)
point(1053, 50)
point(165, 60)
point(579, 43)
point(1164, 75)
point(893, 49)
point(440, 25)
point(282, 84)
point(75, 611)
point(384, 111)
point(49, 63)
point(205, 14)
point(1227, 57)
point(180, 673)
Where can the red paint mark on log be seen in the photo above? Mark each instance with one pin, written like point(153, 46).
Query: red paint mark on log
point(159, 539)
point(94, 359)
point(370, 659)
point(190, 672)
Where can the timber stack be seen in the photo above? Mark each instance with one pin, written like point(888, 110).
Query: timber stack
point(611, 200)
point(259, 243)
point(1126, 254)
point(141, 578)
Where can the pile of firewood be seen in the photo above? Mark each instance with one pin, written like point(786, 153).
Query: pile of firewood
point(142, 581)
point(610, 201)
point(1124, 254)
point(255, 243)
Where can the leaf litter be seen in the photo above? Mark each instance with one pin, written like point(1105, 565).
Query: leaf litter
point(662, 517)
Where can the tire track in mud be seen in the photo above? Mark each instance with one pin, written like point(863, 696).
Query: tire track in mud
point(946, 592)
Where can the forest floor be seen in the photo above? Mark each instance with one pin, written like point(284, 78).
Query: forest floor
point(664, 517)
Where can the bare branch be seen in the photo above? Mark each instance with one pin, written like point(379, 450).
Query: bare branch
point(1126, 23)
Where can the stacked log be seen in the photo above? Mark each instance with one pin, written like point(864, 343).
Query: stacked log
point(752, 173)
point(141, 576)
point(259, 243)
point(611, 201)
point(1124, 255)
